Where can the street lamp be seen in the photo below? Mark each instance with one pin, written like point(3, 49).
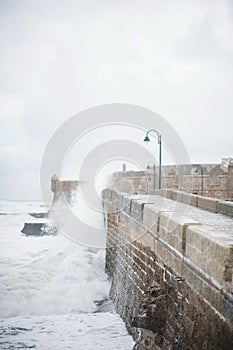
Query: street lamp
point(199, 170)
point(159, 136)
point(148, 167)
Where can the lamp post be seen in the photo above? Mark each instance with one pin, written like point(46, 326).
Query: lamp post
point(199, 170)
point(148, 167)
point(159, 136)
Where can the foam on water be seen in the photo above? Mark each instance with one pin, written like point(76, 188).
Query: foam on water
point(51, 281)
point(75, 332)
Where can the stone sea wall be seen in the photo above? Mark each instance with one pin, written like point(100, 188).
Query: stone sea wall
point(171, 276)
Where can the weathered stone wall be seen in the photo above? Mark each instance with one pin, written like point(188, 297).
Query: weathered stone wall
point(63, 190)
point(171, 276)
point(216, 180)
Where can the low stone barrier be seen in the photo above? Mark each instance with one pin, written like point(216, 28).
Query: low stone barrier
point(188, 198)
point(225, 207)
point(206, 203)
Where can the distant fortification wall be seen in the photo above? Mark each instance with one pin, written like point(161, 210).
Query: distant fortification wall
point(210, 180)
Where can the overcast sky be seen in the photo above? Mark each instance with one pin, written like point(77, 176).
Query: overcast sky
point(59, 57)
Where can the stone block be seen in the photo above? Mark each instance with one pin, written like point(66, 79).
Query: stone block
point(184, 197)
point(225, 207)
point(126, 203)
point(174, 195)
point(168, 193)
point(150, 217)
point(177, 196)
point(173, 227)
point(188, 198)
point(136, 209)
point(211, 251)
point(207, 203)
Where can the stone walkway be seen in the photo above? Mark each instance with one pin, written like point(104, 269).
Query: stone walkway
point(220, 222)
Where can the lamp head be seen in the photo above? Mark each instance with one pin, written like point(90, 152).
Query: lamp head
point(146, 139)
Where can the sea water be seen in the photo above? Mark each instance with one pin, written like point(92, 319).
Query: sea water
point(48, 289)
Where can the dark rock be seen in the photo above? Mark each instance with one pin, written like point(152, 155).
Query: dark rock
point(153, 312)
point(38, 229)
point(39, 215)
point(105, 305)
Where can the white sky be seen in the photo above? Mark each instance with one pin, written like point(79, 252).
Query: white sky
point(59, 57)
